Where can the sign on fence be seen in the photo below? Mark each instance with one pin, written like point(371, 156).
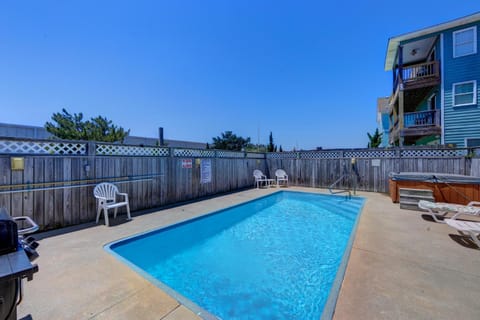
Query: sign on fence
point(206, 171)
point(187, 163)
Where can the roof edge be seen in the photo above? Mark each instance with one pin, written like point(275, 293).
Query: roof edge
point(394, 41)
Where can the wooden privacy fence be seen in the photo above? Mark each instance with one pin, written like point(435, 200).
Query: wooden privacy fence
point(371, 168)
point(55, 186)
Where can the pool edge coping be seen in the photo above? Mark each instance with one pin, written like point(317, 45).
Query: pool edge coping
point(331, 304)
point(333, 295)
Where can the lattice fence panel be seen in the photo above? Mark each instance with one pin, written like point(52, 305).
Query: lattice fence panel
point(282, 155)
point(433, 153)
point(369, 154)
point(194, 153)
point(321, 155)
point(42, 147)
point(120, 150)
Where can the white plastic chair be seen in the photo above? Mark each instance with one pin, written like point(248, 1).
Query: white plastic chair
point(281, 176)
point(106, 195)
point(259, 178)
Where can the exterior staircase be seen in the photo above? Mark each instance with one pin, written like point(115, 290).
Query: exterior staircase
point(409, 198)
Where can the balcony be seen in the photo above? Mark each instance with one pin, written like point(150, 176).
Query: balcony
point(418, 76)
point(417, 124)
point(421, 119)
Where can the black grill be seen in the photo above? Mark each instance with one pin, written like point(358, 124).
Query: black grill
point(17, 251)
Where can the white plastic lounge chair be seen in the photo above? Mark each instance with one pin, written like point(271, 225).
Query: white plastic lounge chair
point(260, 178)
point(281, 176)
point(442, 209)
point(469, 227)
point(106, 195)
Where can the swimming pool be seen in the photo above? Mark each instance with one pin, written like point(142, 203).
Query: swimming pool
point(276, 257)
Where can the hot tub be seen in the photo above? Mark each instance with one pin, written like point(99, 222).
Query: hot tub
point(452, 188)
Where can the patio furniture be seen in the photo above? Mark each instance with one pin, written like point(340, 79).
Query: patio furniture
point(261, 178)
point(106, 195)
point(281, 176)
point(442, 208)
point(469, 227)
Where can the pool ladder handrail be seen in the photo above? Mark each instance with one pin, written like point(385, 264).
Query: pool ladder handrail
point(330, 187)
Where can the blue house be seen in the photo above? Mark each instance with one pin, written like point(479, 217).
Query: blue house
point(436, 78)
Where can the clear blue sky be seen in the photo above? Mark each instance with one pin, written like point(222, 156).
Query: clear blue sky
point(309, 71)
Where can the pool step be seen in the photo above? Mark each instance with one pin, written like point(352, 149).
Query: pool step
point(409, 198)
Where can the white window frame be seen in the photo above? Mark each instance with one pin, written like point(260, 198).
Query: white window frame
point(474, 93)
point(455, 55)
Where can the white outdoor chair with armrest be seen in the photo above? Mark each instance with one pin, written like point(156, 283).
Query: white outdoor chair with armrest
point(106, 195)
point(281, 176)
point(259, 178)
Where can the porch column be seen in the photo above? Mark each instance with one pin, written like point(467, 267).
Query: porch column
point(400, 116)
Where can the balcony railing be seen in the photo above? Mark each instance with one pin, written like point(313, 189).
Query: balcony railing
point(422, 119)
point(418, 73)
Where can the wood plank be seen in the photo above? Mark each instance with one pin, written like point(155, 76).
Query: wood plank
point(5, 180)
point(39, 196)
point(83, 194)
point(28, 178)
point(67, 192)
point(58, 193)
point(49, 196)
point(76, 166)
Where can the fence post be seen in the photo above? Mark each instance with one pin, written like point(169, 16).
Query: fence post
point(91, 148)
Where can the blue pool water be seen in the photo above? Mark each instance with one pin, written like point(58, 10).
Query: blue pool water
point(273, 258)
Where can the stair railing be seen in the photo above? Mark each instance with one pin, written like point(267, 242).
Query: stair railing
point(331, 187)
point(352, 174)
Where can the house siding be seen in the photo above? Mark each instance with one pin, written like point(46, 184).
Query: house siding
point(460, 122)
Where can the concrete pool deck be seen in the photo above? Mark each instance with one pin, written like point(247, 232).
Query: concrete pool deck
point(402, 266)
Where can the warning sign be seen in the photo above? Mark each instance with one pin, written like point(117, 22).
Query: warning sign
point(187, 163)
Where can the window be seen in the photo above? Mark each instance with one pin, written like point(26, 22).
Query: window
point(464, 93)
point(465, 42)
point(472, 142)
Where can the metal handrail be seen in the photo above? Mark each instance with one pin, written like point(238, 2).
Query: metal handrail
point(330, 187)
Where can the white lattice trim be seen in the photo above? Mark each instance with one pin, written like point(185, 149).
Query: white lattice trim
point(282, 155)
point(370, 154)
point(427, 153)
point(321, 155)
point(42, 147)
point(120, 150)
point(193, 153)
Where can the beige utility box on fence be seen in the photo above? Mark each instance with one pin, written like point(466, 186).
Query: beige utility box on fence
point(17, 163)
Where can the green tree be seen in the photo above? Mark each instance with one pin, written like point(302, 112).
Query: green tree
point(271, 146)
point(256, 147)
point(230, 141)
point(280, 149)
point(73, 127)
point(375, 139)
